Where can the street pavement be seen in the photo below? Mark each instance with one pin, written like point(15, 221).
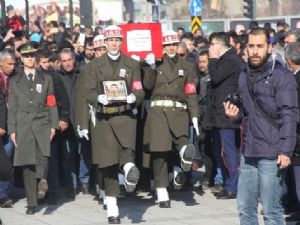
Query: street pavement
point(188, 207)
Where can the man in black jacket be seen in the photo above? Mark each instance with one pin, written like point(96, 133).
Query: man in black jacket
point(63, 113)
point(70, 76)
point(224, 69)
point(292, 55)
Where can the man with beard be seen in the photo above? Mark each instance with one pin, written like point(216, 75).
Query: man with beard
point(115, 125)
point(270, 115)
point(88, 53)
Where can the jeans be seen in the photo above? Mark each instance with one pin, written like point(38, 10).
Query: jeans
point(85, 163)
point(260, 178)
point(216, 148)
point(9, 149)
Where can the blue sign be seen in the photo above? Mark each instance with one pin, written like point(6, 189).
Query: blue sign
point(195, 7)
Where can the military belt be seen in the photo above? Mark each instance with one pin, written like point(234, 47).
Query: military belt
point(168, 103)
point(114, 109)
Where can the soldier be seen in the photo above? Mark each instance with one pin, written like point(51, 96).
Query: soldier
point(32, 120)
point(115, 128)
point(173, 102)
point(99, 45)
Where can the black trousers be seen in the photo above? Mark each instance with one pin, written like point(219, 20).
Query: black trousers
point(31, 174)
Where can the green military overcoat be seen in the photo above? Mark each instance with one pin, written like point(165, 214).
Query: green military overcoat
point(32, 112)
point(164, 122)
point(115, 131)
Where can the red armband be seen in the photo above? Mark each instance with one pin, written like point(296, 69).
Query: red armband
point(136, 85)
point(190, 88)
point(51, 101)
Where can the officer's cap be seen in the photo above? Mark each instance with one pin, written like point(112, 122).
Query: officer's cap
point(28, 48)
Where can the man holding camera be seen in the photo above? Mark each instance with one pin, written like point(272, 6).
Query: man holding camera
point(270, 115)
point(224, 68)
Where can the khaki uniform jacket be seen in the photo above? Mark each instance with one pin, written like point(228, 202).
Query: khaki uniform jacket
point(113, 131)
point(165, 85)
point(31, 115)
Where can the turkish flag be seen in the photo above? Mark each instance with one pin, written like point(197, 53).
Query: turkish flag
point(141, 39)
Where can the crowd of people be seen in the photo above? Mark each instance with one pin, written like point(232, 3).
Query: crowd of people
point(78, 113)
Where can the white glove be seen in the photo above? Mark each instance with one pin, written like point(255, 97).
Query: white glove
point(150, 60)
point(131, 98)
point(195, 125)
point(84, 134)
point(102, 99)
point(79, 131)
point(136, 57)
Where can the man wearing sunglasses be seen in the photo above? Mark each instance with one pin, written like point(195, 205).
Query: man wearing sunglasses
point(32, 119)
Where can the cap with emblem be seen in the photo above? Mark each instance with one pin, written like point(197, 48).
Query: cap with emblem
point(28, 48)
point(170, 37)
point(113, 31)
point(98, 41)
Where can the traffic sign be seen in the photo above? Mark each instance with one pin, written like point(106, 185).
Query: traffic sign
point(196, 23)
point(195, 7)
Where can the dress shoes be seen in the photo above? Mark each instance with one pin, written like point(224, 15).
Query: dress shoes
point(165, 204)
point(226, 195)
point(31, 210)
point(114, 220)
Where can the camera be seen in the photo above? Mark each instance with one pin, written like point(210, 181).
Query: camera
point(234, 98)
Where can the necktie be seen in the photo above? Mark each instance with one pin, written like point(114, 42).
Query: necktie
point(30, 76)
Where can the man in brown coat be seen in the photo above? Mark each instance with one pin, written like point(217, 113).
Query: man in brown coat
point(115, 130)
point(173, 104)
point(32, 119)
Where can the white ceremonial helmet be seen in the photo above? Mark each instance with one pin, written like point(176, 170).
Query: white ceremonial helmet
point(113, 31)
point(98, 41)
point(170, 37)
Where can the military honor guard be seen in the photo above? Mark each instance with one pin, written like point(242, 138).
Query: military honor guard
point(114, 133)
point(173, 105)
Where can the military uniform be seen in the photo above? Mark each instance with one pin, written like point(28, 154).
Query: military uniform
point(115, 130)
point(173, 104)
point(32, 112)
point(172, 85)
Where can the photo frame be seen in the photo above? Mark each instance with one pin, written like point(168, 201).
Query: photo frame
point(115, 91)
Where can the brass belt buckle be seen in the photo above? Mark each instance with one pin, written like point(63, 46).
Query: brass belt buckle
point(111, 110)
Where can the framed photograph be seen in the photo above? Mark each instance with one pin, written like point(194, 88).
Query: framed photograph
point(115, 91)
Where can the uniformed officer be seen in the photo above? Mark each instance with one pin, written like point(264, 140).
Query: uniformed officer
point(173, 104)
point(115, 128)
point(32, 120)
